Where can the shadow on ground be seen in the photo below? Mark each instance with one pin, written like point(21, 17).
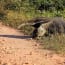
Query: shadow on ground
point(16, 36)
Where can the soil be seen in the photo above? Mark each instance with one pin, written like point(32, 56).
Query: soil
point(19, 49)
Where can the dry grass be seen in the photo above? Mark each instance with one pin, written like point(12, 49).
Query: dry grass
point(54, 43)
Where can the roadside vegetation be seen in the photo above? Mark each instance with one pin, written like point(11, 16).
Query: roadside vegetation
point(55, 43)
point(15, 12)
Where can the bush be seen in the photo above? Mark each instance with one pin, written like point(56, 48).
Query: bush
point(2, 15)
point(11, 6)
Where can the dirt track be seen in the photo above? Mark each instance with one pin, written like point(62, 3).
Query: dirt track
point(15, 49)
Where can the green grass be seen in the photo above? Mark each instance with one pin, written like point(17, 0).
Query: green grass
point(14, 18)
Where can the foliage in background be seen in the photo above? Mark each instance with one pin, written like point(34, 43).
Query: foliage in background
point(24, 10)
point(33, 7)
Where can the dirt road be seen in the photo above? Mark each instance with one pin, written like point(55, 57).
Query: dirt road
point(17, 49)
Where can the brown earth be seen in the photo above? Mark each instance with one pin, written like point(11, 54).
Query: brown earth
point(17, 49)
